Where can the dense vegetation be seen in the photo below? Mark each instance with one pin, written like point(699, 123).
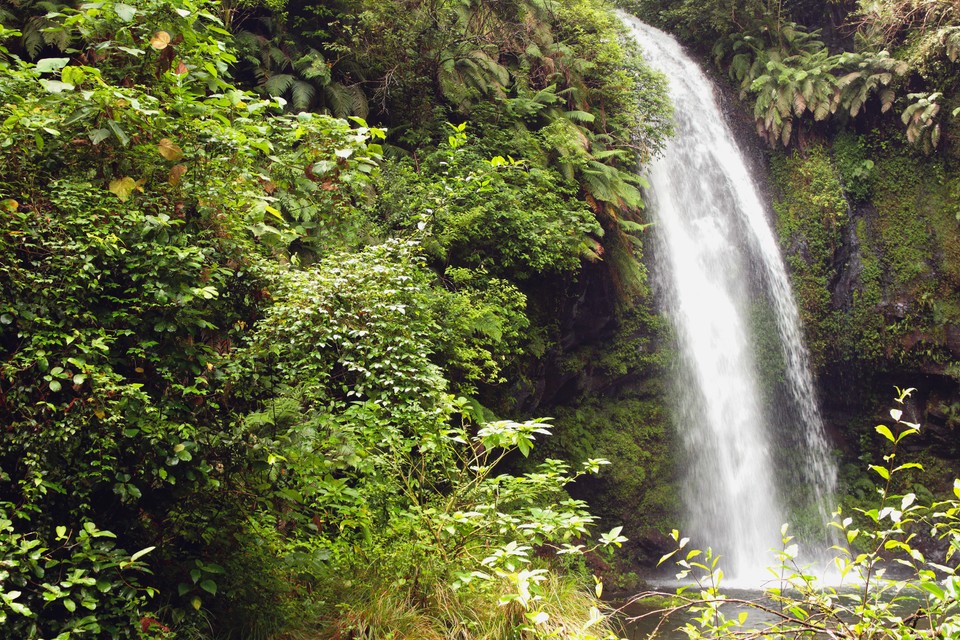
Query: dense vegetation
point(253, 355)
point(285, 286)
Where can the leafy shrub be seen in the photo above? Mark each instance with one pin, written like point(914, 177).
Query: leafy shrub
point(80, 585)
point(506, 216)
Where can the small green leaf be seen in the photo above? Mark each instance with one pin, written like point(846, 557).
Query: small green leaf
point(209, 586)
point(55, 386)
point(98, 135)
point(55, 86)
point(933, 589)
point(881, 471)
point(141, 553)
point(884, 430)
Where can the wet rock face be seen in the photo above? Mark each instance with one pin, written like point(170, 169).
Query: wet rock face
point(952, 339)
point(582, 313)
point(849, 268)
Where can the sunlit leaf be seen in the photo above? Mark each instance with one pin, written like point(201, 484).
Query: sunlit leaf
point(122, 187)
point(881, 471)
point(160, 40)
point(47, 65)
point(885, 432)
point(169, 150)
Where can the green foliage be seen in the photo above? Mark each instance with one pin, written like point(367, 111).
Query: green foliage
point(198, 344)
point(705, 22)
point(286, 67)
point(791, 76)
point(633, 433)
point(504, 216)
point(356, 425)
point(552, 68)
point(854, 167)
point(927, 32)
point(811, 213)
point(920, 118)
point(79, 584)
point(896, 301)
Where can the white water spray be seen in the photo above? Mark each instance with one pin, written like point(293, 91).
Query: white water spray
point(719, 267)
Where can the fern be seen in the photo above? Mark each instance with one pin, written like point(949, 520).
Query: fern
point(920, 118)
point(279, 84)
point(302, 94)
point(579, 116)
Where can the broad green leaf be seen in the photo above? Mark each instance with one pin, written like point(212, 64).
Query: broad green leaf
point(119, 133)
point(124, 11)
point(55, 86)
point(933, 589)
point(48, 65)
point(141, 553)
point(98, 135)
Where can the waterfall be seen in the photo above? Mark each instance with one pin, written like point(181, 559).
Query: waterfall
point(751, 439)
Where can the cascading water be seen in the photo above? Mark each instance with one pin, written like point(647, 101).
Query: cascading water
point(720, 270)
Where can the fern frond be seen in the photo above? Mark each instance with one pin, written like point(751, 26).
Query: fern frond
point(302, 94)
point(579, 116)
point(279, 84)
